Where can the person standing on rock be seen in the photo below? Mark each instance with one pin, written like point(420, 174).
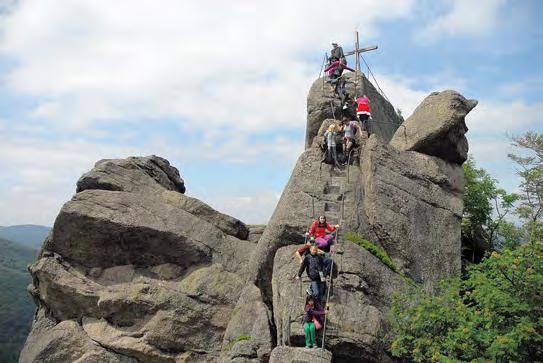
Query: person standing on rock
point(350, 129)
point(312, 321)
point(336, 54)
point(313, 265)
point(363, 112)
point(330, 137)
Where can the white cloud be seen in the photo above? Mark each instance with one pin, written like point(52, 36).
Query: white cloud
point(504, 118)
point(199, 61)
point(464, 18)
point(254, 208)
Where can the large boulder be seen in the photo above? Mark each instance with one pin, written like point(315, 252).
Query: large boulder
point(437, 127)
point(102, 228)
point(284, 354)
point(144, 271)
point(322, 104)
point(249, 335)
point(65, 341)
point(153, 173)
point(413, 203)
point(132, 174)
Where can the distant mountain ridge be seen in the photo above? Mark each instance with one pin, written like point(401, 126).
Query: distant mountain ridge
point(17, 308)
point(28, 235)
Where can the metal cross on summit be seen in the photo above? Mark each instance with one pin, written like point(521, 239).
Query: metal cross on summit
point(358, 51)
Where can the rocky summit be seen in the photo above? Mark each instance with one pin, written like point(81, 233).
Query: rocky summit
point(136, 271)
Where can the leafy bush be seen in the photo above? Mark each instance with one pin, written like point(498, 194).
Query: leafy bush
point(496, 314)
point(372, 248)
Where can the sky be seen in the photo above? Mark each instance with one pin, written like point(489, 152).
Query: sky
point(219, 87)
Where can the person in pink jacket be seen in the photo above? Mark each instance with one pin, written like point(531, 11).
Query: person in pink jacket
point(363, 112)
point(335, 69)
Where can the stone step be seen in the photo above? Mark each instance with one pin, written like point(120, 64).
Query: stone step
point(332, 207)
point(332, 189)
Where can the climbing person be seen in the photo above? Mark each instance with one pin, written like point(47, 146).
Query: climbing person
point(304, 250)
point(335, 69)
point(312, 321)
point(363, 112)
point(336, 54)
point(323, 241)
point(313, 265)
point(349, 128)
point(318, 231)
point(341, 91)
point(330, 136)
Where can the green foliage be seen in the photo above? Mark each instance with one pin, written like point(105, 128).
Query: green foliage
point(238, 339)
point(16, 306)
point(372, 248)
point(530, 208)
point(485, 208)
point(495, 314)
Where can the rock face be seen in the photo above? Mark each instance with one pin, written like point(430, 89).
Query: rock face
point(362, 289)
point(437, 127)
point(135, 271)
point(413, 203)
point(323, 104)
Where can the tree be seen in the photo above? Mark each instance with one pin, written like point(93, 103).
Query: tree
point(494, 315)
point(530, 208)
point(485, 209)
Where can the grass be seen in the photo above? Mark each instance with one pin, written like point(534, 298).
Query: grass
point(238, 339)
point(372, 248)
point(379, 253)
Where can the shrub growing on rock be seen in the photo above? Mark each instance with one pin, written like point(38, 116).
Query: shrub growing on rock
point(495, 314)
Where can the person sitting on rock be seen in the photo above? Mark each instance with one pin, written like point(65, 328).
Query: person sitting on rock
point(330, 137)
point(363, 112)
point(318, 231)
point(312, 321)
point(314, 266)
point(349, 128)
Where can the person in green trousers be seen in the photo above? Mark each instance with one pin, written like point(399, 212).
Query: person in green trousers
point(313, 311)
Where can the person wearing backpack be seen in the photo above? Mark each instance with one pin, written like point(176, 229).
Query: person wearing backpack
point(312, 321)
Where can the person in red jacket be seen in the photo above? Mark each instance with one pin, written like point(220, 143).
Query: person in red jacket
point(323, 241)
point(318, 231)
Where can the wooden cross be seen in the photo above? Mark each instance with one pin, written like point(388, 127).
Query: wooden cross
point(358, 51)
